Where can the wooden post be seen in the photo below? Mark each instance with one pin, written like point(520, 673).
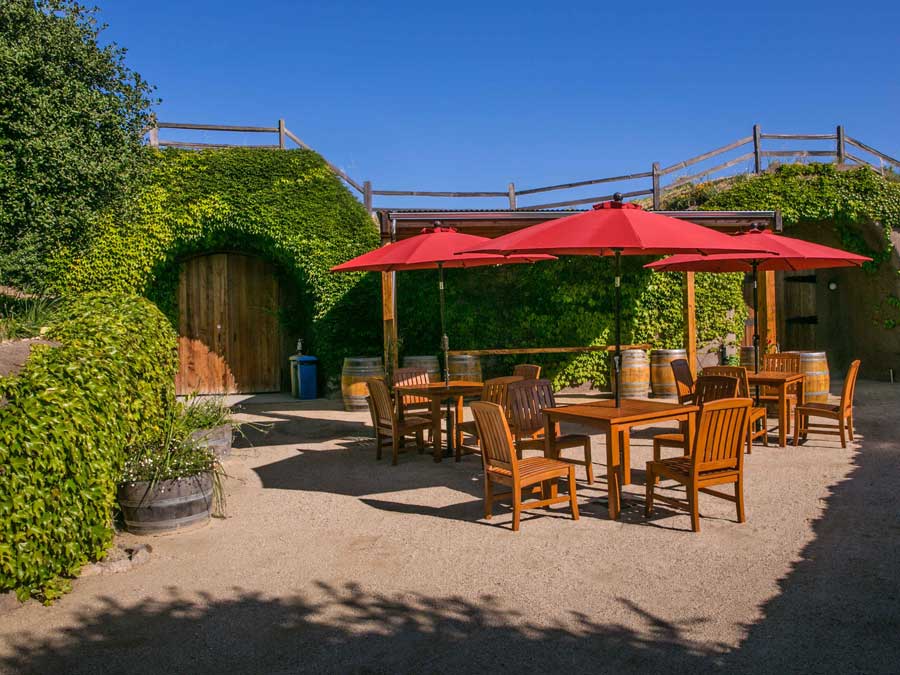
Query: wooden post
point(840, 145)
point(389, 317)
point(511, 191)
point(367, 196)
point(655, 171)
point(281, 134)
point(154, 137)
point(768, 332)
point(690, 321)
point(757, 159)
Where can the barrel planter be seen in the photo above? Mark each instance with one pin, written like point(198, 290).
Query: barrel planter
point(662, 380)
point(635, 372)
point(465, 367)
point(217, 439)
point(817, 380)
point(168, 505)
point(429, 364)
point(357, 369)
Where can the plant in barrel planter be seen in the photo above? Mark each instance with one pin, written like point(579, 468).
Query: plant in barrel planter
point(170, 483)
point(209, 422)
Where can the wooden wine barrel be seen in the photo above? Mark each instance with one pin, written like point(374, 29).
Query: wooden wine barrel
point(168, 505)
point(817, 380)
point(747, 358)
point(635, 370)
point(353, 380)
point(465, 367)
point(662, 381)
point(430, 364)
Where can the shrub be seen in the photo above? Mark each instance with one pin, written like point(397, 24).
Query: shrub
point(69, 416)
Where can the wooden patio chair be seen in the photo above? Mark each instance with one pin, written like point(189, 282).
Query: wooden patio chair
point(758, 416)
point(388, 427)
point(684, 381)
point(526, 400)
point(842, 412)
point(527, 371)
point(707, 388)
point(780, 363)
point(502, 466)
point(407, 376)
point(493, 391)
point(716, 459)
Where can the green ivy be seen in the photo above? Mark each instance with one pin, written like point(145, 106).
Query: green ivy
point(67, 419)
point(286, 206)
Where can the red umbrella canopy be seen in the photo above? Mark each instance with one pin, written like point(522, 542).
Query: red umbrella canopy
point(433, 247)
point(787, 253)
point(614, 226)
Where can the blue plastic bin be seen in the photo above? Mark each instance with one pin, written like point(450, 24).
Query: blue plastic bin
point(306, 376)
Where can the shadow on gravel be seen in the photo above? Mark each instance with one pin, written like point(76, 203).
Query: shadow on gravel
point(349, 631)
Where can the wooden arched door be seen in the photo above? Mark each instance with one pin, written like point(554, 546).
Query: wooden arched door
point(228, 335)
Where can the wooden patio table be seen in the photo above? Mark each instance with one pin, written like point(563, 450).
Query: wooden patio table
point(617, 423)
point(782, 382)
point(438, 392)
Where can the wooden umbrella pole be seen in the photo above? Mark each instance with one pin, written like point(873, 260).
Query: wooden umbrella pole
point(617, 358)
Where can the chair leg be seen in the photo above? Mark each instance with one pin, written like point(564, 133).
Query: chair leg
point(798, 426)
point(517, 506)
point(739, 498)
point(395, 449)
point(573, 502)
point(694, 502)
point(650, 484)
point(488, 498)
point(589, 463)
point(657, 455)
point(842, 427)
point(749, 440)
point(420, 441)
point(765, 427)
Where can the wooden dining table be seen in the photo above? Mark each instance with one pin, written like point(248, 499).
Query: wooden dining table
point(617, 422)
point(437, 393)
point(782, 382)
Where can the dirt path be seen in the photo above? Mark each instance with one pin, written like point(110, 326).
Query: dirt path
point(331, 562)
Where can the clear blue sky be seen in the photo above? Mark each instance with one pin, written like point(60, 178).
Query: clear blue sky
point(471, 95)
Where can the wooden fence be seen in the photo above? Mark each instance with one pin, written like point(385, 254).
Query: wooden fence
point(753, 152)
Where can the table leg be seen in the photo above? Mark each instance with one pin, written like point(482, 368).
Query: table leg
point(625, 449)
point(782, 415)
point(549, 437)
point(612, 472)
point(457, 432)
point(436, 429)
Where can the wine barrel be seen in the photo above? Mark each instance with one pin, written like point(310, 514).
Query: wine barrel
point(635, 371)
point(357, 369)
point(662, 380)
point(465, 367)
point(218, 439)
point(817, 380)
point(168, 505)
point(747, 358)
point(430, 364)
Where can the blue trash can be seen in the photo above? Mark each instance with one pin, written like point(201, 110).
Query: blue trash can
point(306, 377)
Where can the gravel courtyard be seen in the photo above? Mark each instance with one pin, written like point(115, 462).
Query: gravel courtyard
point(330, 561)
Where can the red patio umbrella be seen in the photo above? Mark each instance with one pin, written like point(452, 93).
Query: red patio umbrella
point(433, 248)
point(786, 254)
point(615, 228)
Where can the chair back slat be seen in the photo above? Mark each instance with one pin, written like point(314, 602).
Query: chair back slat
point(527, 399)
point(496, 390)
point(497, 448)
point(721, 433)
point(849, 389)
point(684, 380)
point(409, 376)
point(715, 387)
point(738, 372)
point(528, 371)
point(781, 362)
point(382, 405)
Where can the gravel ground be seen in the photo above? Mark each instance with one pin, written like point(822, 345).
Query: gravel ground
point(331, 562)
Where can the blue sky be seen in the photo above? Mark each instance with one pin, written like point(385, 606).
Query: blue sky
point(470, 96)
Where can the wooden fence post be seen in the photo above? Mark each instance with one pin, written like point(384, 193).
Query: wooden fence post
point(690, 321)
point(281, 134)
point(757, 160)
point(840, 145)
point(154, 137)
point(656, 197)
point(367, 196)
point(511, 192)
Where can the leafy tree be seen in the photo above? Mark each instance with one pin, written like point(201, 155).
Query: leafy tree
point(71, 124)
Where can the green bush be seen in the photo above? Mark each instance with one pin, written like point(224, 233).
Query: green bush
point(69, 416)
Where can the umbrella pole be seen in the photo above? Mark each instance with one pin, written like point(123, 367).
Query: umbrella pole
point(617, 357)
point(445, 348)
point(754, 267)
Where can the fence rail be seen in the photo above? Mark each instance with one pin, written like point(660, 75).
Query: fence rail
point(661, 179)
